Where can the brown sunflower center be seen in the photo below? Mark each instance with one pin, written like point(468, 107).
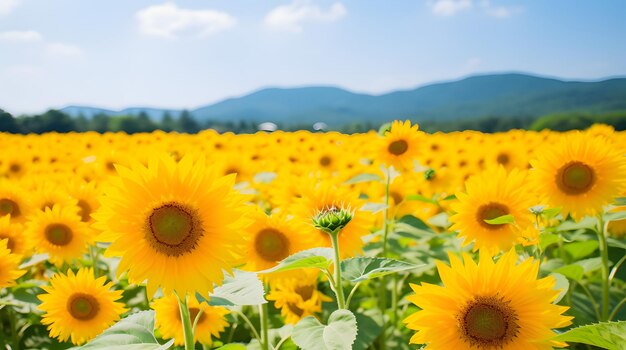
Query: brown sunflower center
point(9, 207)
point(15, 168)
point(173, 229)
point(85, 210)
point(82, 306)
point(503, 159)
point(295, 309)
point(325, 161)
point(59, 234)
point(272, 245)
point(575, 178)
point(491, 211)
point(397, 197)
point(488, 323)
point(193, 313)
point(10, 242)
point(398, 147)
point(306, 292)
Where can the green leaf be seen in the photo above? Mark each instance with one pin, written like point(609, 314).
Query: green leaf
point(616, 216)
point(590, 265)
point(586, 223)
point(620, 201)
point(561, 284)
point(579, 250)
point(501, 220)
point(244, 288)
point(363, 178)
point(374, 207)
point(606, 335)
point(135, 332)
point(232, 346)
point(612, 242)
point(440, 220)
point(366, 268)
point(550, 213)
point(572, 271)
point(449, 198)
point(315, 257)
point(339, 334)
point(418, 197)
point(548, 239)
point(369, 330)
point(34, 260)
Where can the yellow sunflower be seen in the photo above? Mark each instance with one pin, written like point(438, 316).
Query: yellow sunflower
point(210, 322)
point(60, 233)
point(298, 297)
point(9, 271)
point(272, 239)
point(175, 225)
point(400, 145)
point(487, 306)
point(616, 228)
point(325, 196)
point(13, 201)
point(580, 174)
point(14, 234)
point(79, 306)
point(491, 194)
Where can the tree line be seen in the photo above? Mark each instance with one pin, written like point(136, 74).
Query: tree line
point(58, 121)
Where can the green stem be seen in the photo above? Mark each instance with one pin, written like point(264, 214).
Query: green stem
point(394, 299)
point(281, 342)
point(382, 290)
point(615, 268)
point(93, 251)
point(186, 319)
point(616, 309)
point(249, 323)
point(341, 301)
point(15, 338)
point(352, 292)
point(264, 326)
point(604, 255)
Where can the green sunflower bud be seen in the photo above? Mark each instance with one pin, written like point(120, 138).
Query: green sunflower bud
point(332, 219)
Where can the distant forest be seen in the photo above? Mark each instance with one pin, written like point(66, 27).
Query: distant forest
point(57, 121)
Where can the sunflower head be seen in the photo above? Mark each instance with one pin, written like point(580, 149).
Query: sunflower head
point(79, 306)
point(487, 306)
point(9, 271)
point(400, 145)
point(173, 221)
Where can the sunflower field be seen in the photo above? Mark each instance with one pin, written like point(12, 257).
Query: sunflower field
point(391, 240)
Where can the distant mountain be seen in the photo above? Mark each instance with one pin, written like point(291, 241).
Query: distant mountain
point(502, 95)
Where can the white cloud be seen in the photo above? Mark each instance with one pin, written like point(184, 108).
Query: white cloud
point(450, 7)
point(6, 6)
point(20, 36)
point(290, 17)
point(170, 21)
point(65, 50)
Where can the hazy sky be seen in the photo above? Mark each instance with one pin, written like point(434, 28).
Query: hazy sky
point(187, 53)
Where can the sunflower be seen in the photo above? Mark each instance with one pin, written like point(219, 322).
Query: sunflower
point(580, 174)
point(616, 228)
point(9, 271)
point(298, 297)
point(400, 145)
point(487, 306)
point(60, 233)
point(13, 201)
point(211, 319)
point(16, 241)
point(86, 194)
point(176, 225)
point(79, 306)
point(323, 197)
point(491, 194)
point(272, 239)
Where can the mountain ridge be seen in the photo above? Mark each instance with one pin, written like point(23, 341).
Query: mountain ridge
point(503, 95)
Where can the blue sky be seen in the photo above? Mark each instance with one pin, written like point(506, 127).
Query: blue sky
point(187, 53)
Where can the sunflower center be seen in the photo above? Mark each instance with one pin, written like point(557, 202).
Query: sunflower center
point(10, 243)
point(173, 229)
point(397, 197)
point(15, 168)
point(575, 178)
point(83, 307)
point(85, 210)
point(272, 245)
point(9, 207)
point(306, 292)
point(489, 212)
point(325, 161)
point(503, 159)
point(488, 322)
point(59, 234)
point(193, 313)
point(398, 147)
point(295, 309)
